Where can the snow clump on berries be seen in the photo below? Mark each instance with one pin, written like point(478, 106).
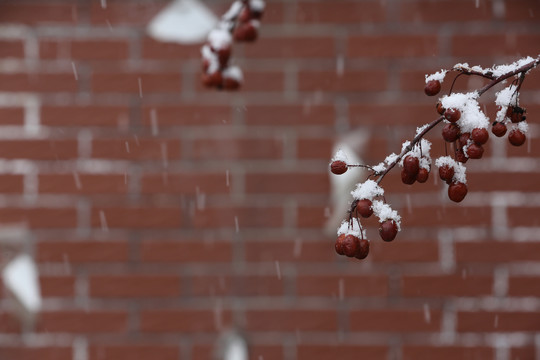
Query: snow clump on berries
point(381, 167)
point(257, 5)
point(439, 75)
point(233, 72)
point(459, 169)
point(384, 212)
point(367, 190)
point(219, 39)
point(420, 150)
point(505, 98)
point(351, 228)
point(471, 115)
point(211, 57)
point(340, 155)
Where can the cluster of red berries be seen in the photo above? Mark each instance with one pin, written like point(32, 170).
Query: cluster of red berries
point(352, 246)
point(457, 190)
point(242, 21)
point(514, 114)
point(412, 172)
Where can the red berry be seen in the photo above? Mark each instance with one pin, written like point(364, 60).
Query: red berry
point(363, 249)
point(432, 87)
point(339, 244)
point(452, 115)
point(411, 165)
point(450, 132)
point(446, 172)
point(516, 113)
point(461, 157)
point(224, 55)
point(463, 140)
point(212, 80)
point(245, 32)
point(440, 108)
point(480, 136)
point(245, 15)
point(350, 245)
point(231, 84)
point(338, 167)
point(423, 175)
point(516, 137)
point(457, 191)
point(475, 151)
point(388, 230)
point(498, 129)
point(363, 207)
point(407, 178)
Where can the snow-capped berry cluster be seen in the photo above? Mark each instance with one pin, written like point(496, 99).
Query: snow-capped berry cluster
point(465, 127)
point(240, 23)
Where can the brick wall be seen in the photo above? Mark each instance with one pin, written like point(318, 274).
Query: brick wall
point(162, 213)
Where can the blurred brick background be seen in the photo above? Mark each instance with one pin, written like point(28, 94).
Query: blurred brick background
point(162, 213)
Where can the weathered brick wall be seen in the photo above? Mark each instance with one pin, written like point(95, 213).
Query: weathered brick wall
point(162, 213)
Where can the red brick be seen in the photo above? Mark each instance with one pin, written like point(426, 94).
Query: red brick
point(416, 352)
point(392, 114)
point(129, 83)
point(244, 148)
point(185, 183)
point(287, 183)
point(11, 183)
point(445, 11)
point(393, 46)
point(134, 286)
point(458, 215)
point(184, 320)
point(137, 217)
point(136, 149)
point(82, 184)
point(38, 82)
point(289, 115)
point(38, 149)
point(488, 45)
point(522, 353)
point(288, 251)
point(9, 324)
point(124, 12)
point(405, 251)
point(320, 148)
point(36, 13)
point(57, 286)
point(352, 286)
point(524, 286)
point(247, 217)
point(11, 116)
point(11, 48)
point(297, 47)
point(489, 321)
point(341, 351)
point(82, 251)
point(187, 115)
point(83, 322)
point(53, 49)
point(390, 320)
point(99, 49)
point(521, 216)
point(350, 81)
point(182, 251)
point(133, 351)
point(498, 181)
point(340, 12)
point(84, 116)
point(152, 49)
point(251, 285)
point(311, 217)
point(40, 217)
point(496, 252)
point(521, 10)
point(256, 351)
point(446, 285)
point(32, 353)
point(291, 320)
